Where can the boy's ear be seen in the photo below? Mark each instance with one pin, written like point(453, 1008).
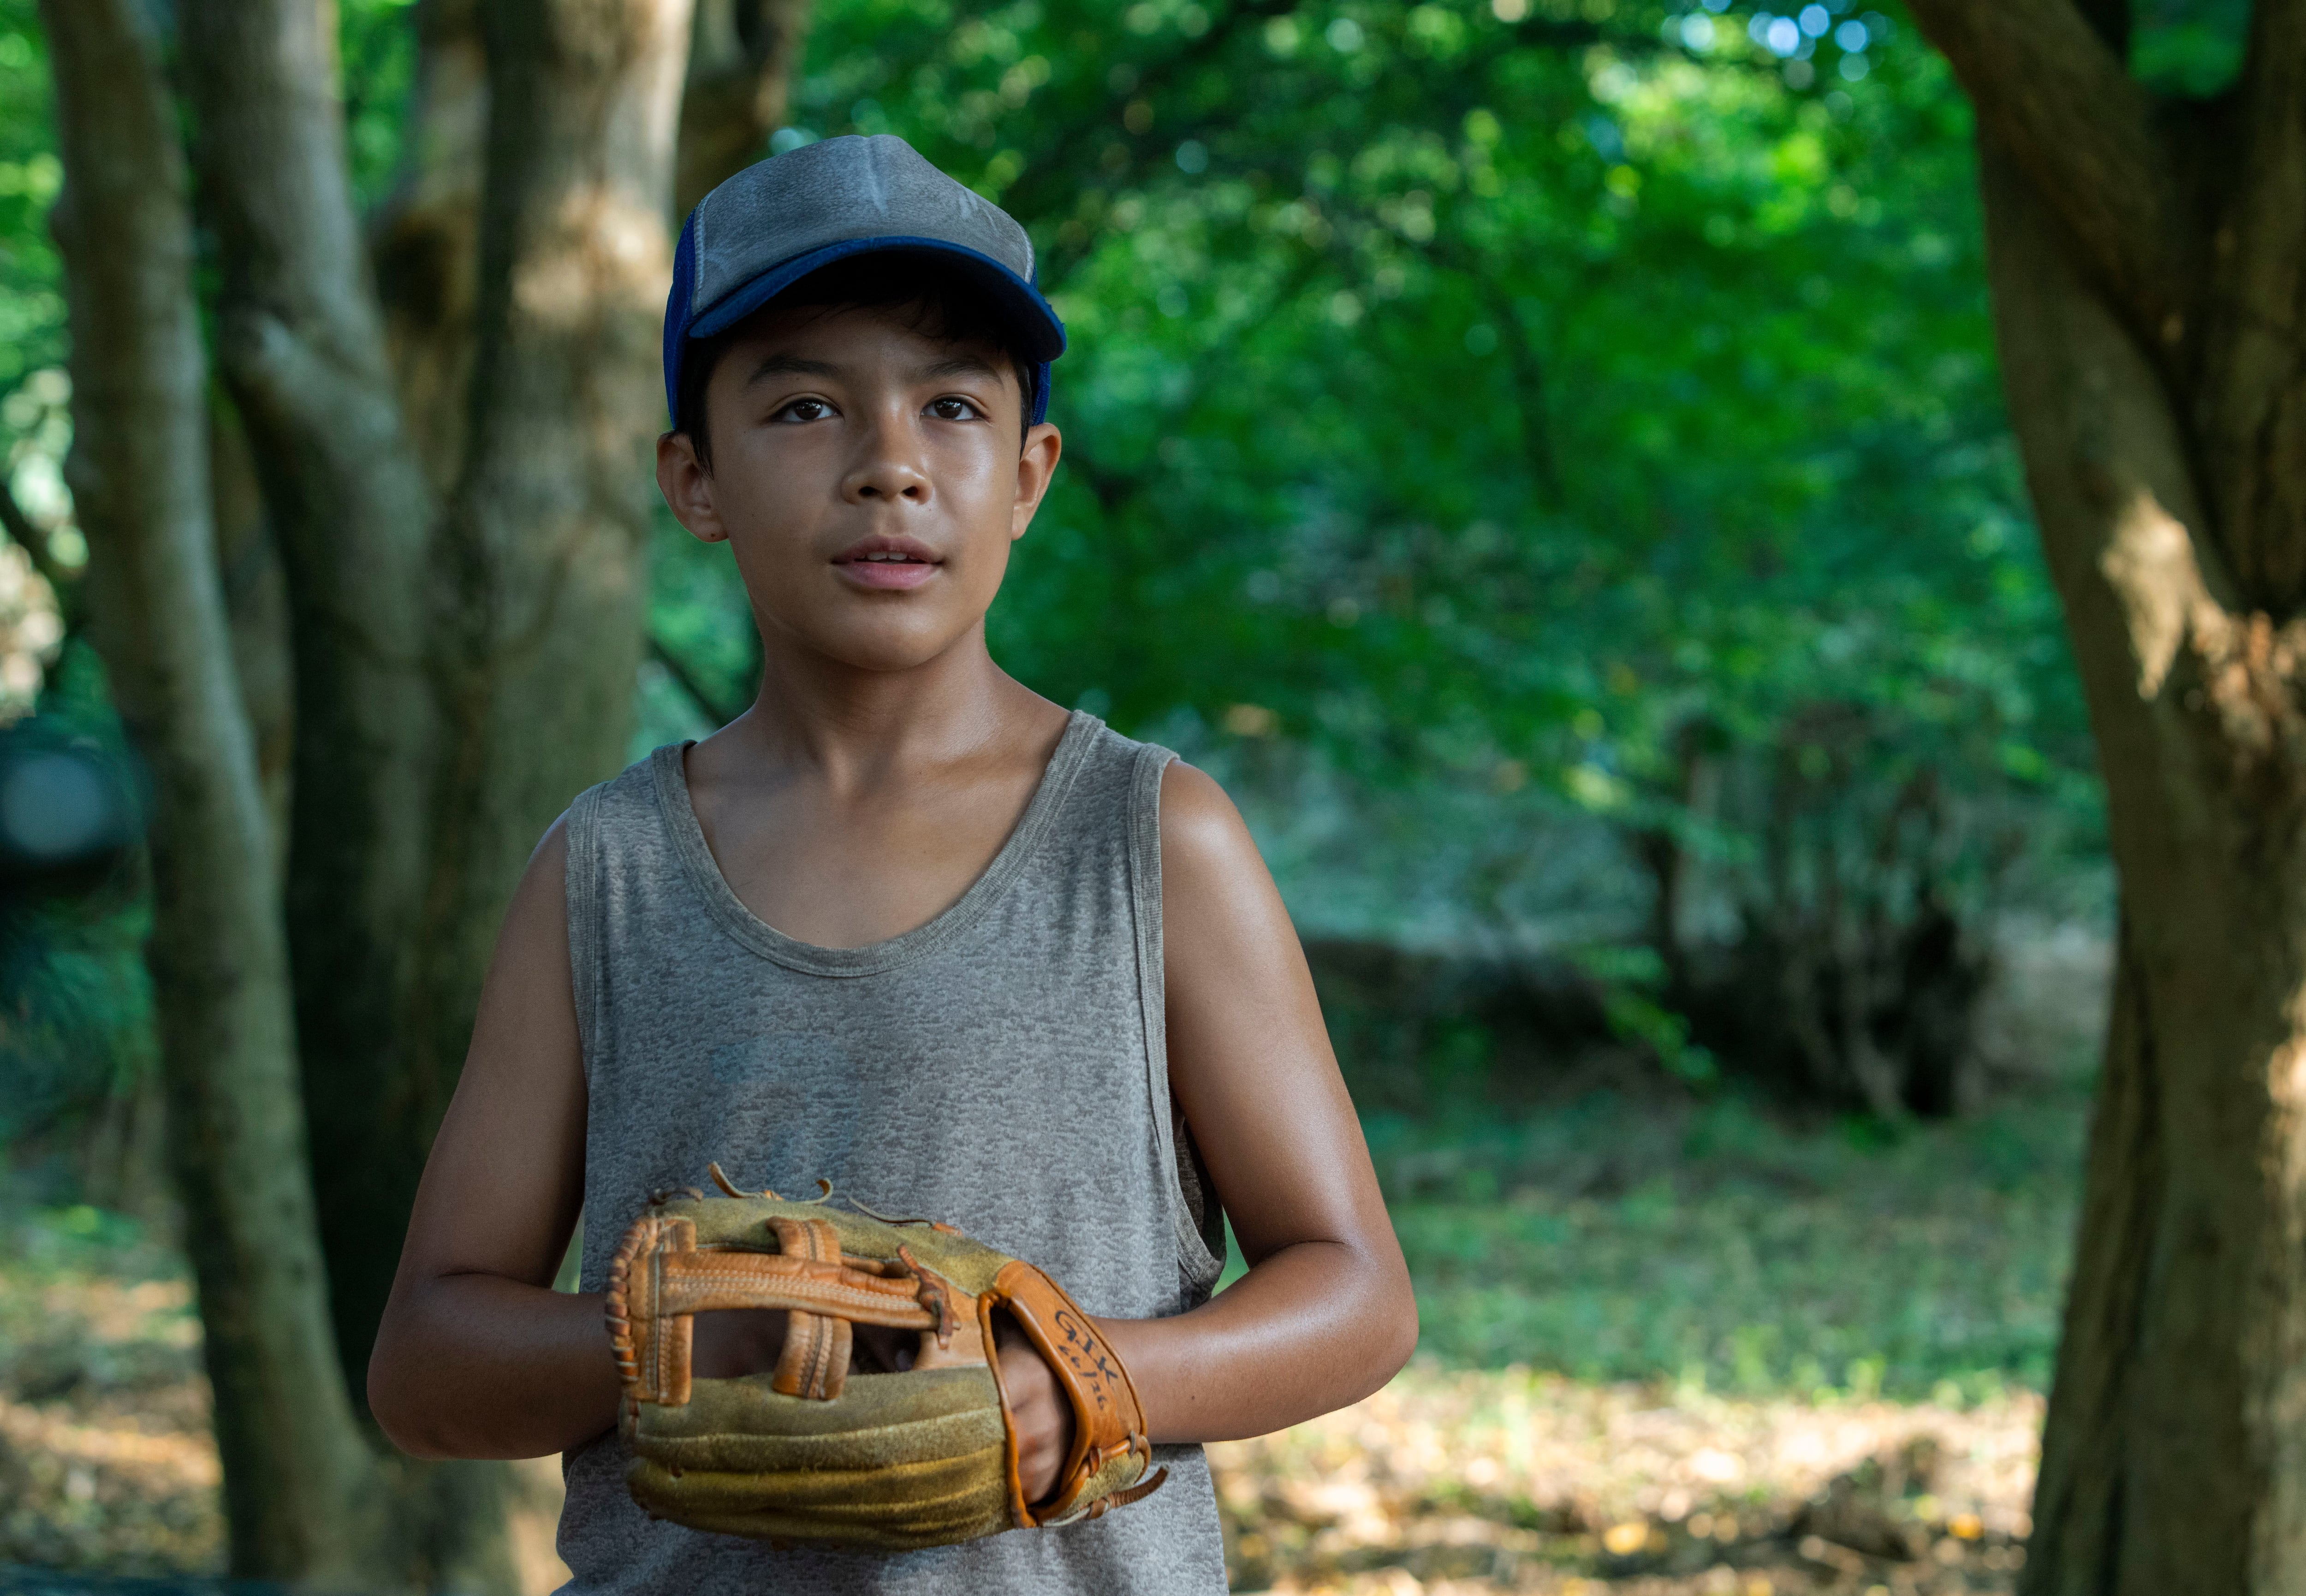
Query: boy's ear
point(1037, 465)
point(687, 488)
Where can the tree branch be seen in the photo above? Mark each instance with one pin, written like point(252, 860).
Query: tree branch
point(2058, 98)
point(300, 335)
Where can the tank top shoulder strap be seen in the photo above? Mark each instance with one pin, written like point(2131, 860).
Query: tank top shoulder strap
point(600, 826)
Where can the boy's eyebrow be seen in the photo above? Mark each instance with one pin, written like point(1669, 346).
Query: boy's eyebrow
point(963, 365)
point(795, 365)
point(781, 365)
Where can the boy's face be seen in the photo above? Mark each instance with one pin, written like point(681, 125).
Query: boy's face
point(868, 478)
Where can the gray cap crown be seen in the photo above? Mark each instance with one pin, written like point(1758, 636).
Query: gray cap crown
point(833, 191)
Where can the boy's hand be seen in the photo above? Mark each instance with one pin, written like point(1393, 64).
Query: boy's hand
point(1043, 1418)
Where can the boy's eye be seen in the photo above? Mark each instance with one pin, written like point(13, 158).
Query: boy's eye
point(805, 410)
point(954, 408)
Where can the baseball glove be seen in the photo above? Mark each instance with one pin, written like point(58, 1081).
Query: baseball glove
point(818, 1451)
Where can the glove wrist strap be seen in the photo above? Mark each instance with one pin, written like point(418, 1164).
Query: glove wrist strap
point(1110, 1452)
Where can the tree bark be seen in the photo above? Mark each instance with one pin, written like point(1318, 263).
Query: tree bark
point(2172, 1455)
point(741, 57)
point(303, 348)
point(295, 1466)
point(544, 558)
point(256, 606)
point(2156, 372)
point(426, 243)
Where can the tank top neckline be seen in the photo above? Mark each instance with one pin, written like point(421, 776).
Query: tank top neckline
point(704, 871)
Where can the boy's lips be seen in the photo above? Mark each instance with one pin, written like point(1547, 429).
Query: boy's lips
point(885, 562)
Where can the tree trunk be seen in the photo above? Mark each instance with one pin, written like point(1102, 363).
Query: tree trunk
point(2149, 292)
point(426, 243)
point(741, 57)
point(544, 553)
point(303, 349)
point(295, 1467)
point(256, 606)
point(2173, 1457)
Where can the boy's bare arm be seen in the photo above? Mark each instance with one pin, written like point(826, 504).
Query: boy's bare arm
point(477, 1355)
point(1324, 1315)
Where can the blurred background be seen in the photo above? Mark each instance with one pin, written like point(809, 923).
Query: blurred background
point(1547, 458)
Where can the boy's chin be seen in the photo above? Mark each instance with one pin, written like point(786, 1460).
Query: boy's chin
point(888, 649)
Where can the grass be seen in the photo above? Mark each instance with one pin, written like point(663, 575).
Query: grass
point(1710, 1245)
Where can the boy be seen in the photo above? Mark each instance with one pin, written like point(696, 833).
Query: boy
point(905, 925)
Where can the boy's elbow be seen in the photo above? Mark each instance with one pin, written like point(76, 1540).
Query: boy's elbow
point(1387, 1320)
point(395, 1397)
point(1401, 1331)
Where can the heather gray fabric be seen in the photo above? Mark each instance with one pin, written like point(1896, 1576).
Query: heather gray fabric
point(1002, 1067)
point(837, 191)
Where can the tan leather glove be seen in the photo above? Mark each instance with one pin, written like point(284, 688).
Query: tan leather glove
point(818, 1451)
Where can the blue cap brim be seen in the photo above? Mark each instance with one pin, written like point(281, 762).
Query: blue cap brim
point(1035, 320)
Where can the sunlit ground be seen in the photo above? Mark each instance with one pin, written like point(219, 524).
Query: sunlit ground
point(1790, 1359)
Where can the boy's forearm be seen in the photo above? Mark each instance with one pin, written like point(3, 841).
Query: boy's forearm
point(1314, 1327)
point(481, 1366)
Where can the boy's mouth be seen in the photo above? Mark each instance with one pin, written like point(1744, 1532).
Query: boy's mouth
point(885, 562)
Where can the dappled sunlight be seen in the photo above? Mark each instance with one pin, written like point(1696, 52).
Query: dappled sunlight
point(1513, 1480)
point(106, 1460)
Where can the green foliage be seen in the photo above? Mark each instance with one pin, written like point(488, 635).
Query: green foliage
point(2191, 48)
point(31, 299)
point(376, 41)
point(1632, 980)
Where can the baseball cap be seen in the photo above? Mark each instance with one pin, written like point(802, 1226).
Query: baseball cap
point(780, 219)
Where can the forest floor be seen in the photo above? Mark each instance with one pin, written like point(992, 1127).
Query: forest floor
point(1674, 1347)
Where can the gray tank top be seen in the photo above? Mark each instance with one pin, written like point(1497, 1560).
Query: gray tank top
point(1002, 1067)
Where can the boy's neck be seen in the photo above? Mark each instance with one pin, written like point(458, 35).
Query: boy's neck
point(816, 711)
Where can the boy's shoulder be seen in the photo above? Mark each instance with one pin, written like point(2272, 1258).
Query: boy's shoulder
point(1113, 745)
point(639, 783)
point(1095, 757)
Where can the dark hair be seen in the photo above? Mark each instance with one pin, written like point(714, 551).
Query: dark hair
point(945, 304)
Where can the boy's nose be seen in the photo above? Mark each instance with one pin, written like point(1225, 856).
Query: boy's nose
point(888, 470)
point(893, 482)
